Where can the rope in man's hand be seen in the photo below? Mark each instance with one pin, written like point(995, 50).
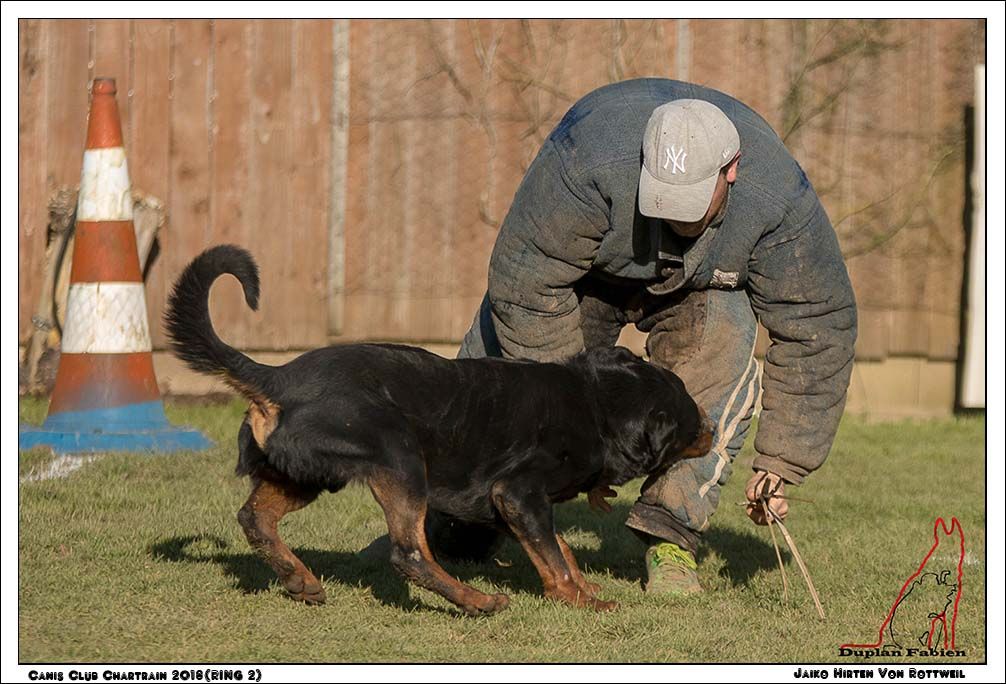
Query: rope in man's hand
point(771, 488)
point(768, 505)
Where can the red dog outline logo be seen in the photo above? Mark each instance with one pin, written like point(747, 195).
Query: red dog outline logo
point(917, 583)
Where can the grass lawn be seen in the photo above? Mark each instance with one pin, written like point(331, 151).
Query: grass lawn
point(140, 558)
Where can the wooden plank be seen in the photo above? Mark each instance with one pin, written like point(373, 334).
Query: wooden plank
point(339, 175)
point(469, 259)
point(954, 60)
point(706, 64)
point(873, 341)
point(423, 292)
point(584, 72)
point(32, 144)
point(474, 217)
point(822, 153)
point(909, 331)
point(189, 200)
point(416, 253)
point(149, 147)
point(909, 75)
point(544, 58)
point(865, 181)
point(644, 49)
point(441, 188)
point(367, 243)
point(67, 80)
point(310, 200)
point(944, 336)
point(270, 181)
point(358, 153)
point(896, 75)
point(770, 75)
point(491, 189)
point(386, 276)
point(234, 204)
point(113, 59)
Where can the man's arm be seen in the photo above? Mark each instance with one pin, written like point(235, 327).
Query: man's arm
point(548, 241)
point(801, 292)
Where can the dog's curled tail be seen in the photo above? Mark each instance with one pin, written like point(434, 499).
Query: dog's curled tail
point(188, 325)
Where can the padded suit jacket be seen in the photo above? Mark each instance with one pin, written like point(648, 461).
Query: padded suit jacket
point(576, 212)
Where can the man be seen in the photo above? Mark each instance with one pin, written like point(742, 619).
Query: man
point(676, 208)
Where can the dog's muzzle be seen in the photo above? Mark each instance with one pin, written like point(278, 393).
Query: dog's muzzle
point(704, 441)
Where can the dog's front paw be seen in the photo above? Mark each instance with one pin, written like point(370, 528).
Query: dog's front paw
point(309, 591)
point(576, 596)
point(603, 606)
point(489, 605)
point(500, 602)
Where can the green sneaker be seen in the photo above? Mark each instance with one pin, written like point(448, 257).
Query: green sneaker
point(670, 570)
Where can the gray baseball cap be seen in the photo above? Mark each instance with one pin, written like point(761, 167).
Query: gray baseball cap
point(686, 144)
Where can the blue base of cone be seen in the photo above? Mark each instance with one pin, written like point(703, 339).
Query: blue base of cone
point(137, 427)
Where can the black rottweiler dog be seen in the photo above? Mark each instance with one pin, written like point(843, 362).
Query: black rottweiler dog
point(488, 441)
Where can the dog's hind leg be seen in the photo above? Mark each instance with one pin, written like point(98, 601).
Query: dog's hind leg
point(528, 513)
point(405, 509)
point(270, 500)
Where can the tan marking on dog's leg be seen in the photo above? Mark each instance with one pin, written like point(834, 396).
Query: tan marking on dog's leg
point(410, 553)
point(548, 559)
point(557, 577)
point(592, 589)
point(260, 516)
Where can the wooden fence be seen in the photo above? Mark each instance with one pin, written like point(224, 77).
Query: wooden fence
point(368, 163)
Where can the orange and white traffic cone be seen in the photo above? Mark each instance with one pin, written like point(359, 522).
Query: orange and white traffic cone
point(106, 396)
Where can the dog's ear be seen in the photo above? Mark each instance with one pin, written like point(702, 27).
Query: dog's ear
point(662, 435)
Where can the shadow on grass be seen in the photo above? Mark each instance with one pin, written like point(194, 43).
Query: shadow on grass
point(619, 553)
point(253, 576)
point(744, 554)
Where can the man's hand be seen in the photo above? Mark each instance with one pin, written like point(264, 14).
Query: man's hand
point(765, 485)
point(596, 498)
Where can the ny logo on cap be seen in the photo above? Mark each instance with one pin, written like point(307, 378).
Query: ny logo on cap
point(676, 158)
